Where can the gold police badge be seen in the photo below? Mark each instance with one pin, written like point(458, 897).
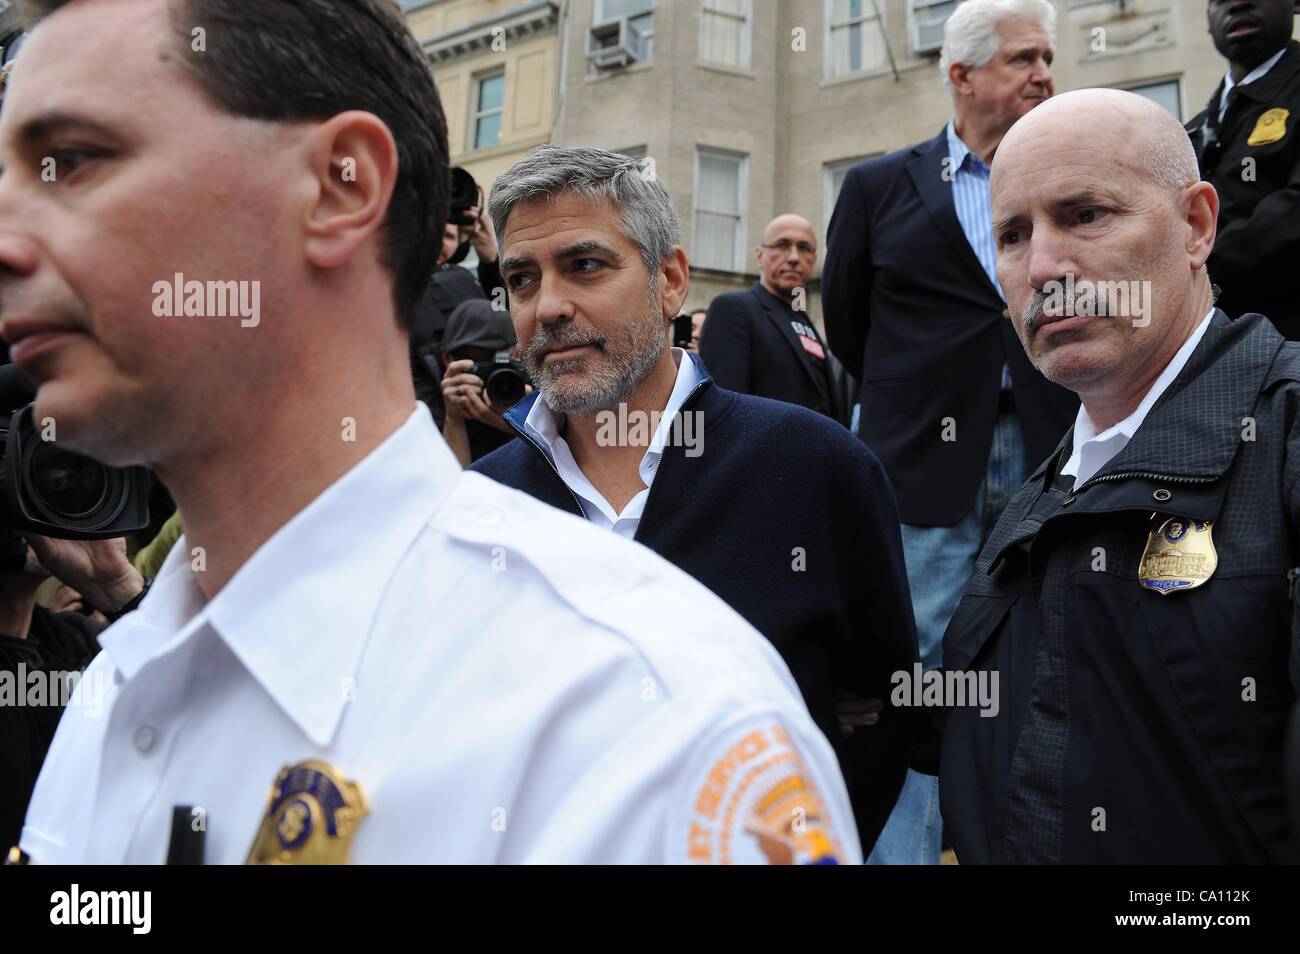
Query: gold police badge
point(1270, 128)
point(1180, 555)
point(311, 816)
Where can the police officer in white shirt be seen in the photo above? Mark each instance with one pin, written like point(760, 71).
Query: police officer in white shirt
point(214, 277)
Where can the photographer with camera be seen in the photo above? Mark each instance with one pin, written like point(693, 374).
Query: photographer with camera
point(450, 285)
point(41, 648)
point(484, 379)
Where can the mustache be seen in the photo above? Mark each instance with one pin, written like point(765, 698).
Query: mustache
point(1086, 302)
point(559, 335)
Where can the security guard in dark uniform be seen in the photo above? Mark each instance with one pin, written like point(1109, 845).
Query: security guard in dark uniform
point(1136, 599)
point(1155, 733)
point(1252, 158)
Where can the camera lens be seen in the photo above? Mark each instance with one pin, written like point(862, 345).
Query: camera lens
point(67, 484)
point(505, 388)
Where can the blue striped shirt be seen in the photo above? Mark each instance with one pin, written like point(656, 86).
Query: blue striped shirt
point(970, 195)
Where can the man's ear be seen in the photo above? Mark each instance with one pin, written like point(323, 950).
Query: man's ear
point(674, 282)
point(959, 76)
point(353, 160)
point(1201, 212)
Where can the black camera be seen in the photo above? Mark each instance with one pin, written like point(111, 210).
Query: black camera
point(464, 193)
point(683, 331)
point(53, 491)
point(504, 379)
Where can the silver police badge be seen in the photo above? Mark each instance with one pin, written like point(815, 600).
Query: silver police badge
point(1180, 555)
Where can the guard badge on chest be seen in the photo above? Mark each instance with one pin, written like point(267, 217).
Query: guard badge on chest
point(1180, 555)
point(311, 816)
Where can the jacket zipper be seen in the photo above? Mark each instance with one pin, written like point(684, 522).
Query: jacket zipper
point(1125, 475)
point(551, 463)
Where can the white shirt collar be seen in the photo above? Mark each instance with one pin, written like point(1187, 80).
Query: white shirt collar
point(1257, 73)
point(1092, 451)
point(265, 621)
point(543, 424)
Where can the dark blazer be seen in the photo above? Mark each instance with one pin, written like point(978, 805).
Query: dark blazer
point(790, 520)
point(912, 314)
point(748, 345)
point(1259, 214)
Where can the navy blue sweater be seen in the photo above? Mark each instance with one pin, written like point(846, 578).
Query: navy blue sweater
point(791, 520)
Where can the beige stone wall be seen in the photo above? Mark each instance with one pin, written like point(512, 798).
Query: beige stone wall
point(450, 14)
point(530, 68)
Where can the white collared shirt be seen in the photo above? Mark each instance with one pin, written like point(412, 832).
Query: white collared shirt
point(1257, 73)
point(1093, 451)
point(505, 682)
point(543, 425)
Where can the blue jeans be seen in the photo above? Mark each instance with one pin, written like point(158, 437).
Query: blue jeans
point(939, 562)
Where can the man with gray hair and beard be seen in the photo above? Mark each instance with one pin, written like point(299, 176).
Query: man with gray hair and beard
point(1137, 594)
point(636, 437)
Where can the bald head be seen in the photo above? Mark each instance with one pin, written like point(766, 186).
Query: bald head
point(783, 223)
point(1131, 129)
point(787, 256)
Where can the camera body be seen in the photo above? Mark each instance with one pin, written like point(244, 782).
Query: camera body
point(504, 379)
point(683, 330)
point(464, 193)
point(55, 492)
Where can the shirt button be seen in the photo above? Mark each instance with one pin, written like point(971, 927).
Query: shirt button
point(144, 739)
point(488, 516)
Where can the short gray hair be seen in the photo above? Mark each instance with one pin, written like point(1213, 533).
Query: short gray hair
point(645, 210)
point(971, 34)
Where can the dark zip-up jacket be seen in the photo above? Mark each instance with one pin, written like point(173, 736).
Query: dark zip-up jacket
point(791, 520)
point(1137, 726)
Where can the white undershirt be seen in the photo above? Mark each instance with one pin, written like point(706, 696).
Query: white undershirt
point(543, 425)
point(1093, 451)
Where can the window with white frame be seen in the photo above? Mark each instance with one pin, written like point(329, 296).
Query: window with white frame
point(724, 32)
point(855, 37)
point(489, 102)
point(833, 174)
point(928, 19)
point(1164, 92)
point(720, 187)
point(639, 13)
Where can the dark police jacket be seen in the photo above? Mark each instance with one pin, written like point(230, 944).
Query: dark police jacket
point(788, 518)
point(750, 346)
point(1253, 162)
point(913, 316)
point(1136, 725)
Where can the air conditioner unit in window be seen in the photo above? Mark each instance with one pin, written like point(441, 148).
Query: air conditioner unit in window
point(615, 43)
point(927, 25)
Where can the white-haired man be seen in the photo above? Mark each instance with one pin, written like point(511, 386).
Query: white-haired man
point(1137, 595)
point(913, 310)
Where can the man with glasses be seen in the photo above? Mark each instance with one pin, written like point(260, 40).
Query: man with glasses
point(762, 341)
